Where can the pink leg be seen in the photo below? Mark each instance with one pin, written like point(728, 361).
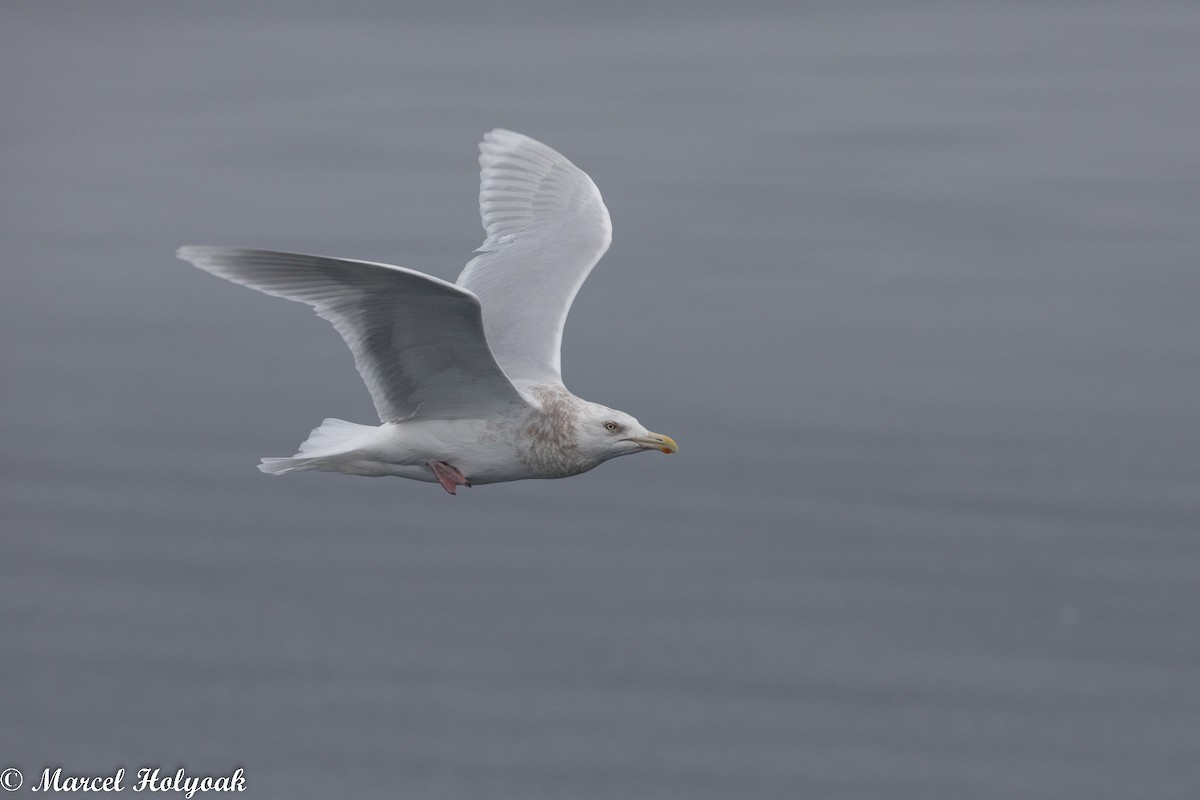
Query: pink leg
point(448, 476)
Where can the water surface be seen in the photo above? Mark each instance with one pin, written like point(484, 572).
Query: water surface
point(914, 286)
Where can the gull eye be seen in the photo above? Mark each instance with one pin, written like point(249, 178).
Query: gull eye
point(612, 426)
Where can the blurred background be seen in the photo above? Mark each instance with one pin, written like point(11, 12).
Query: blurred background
point(914, 285)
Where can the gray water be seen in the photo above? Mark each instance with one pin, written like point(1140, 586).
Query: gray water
point(916, 286)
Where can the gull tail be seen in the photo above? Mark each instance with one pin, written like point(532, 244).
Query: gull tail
point(333, 437)
point(282, 466)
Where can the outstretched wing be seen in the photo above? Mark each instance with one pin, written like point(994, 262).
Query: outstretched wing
point(418, 341)
point(546, 228)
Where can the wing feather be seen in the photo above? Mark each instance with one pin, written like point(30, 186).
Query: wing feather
point(547, 226)
point(418, 341)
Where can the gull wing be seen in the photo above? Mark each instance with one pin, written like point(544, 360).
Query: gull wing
point(418, 341)
point(546, 228)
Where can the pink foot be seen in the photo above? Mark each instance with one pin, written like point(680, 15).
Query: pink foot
point(448, 476)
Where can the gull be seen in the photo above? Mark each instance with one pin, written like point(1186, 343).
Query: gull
point(465, 376)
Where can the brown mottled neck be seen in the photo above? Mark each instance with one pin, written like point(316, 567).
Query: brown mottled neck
point(551, 432)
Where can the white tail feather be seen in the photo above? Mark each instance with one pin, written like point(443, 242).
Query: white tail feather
point(332, 437)
point(282, 466)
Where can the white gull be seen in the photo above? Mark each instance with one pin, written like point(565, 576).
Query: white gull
point(465, 376)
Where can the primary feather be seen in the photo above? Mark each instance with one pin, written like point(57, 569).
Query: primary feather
point(418, 341)
point(546, 228)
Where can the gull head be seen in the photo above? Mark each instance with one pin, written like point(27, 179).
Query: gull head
point(605, 433)
point(566, 435)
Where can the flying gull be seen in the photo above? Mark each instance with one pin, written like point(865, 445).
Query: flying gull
point(465, 376)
